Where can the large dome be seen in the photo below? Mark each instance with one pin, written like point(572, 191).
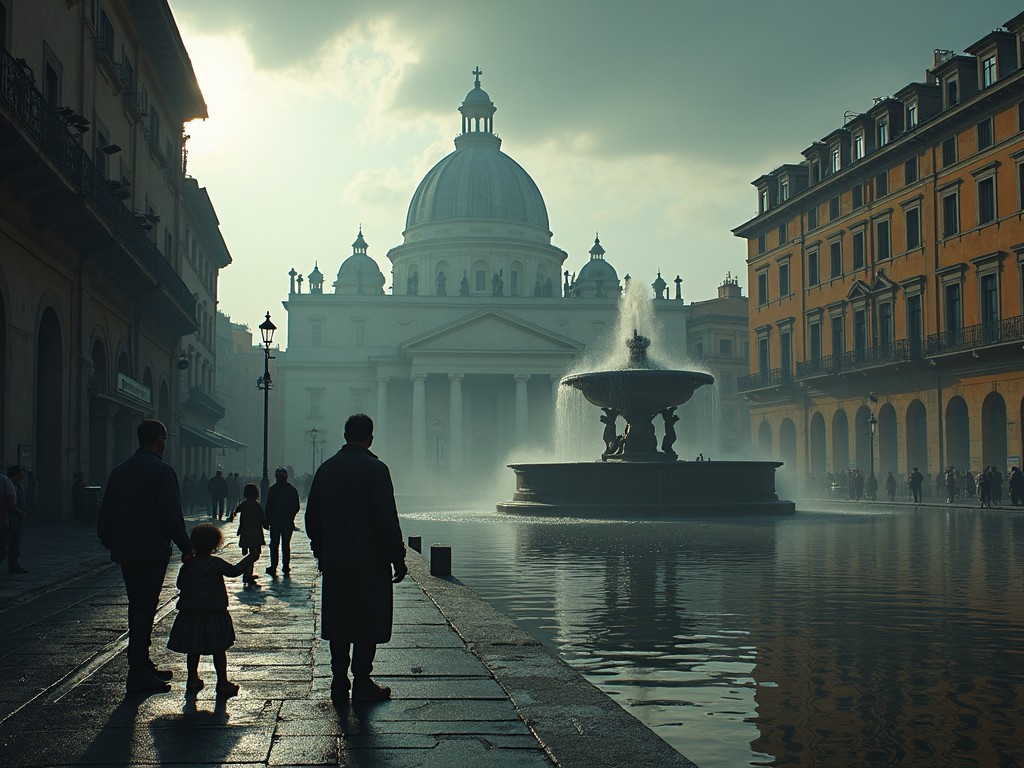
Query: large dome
point(478, 180)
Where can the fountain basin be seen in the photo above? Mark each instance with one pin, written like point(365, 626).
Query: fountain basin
point(647, 489)
point(646, 390)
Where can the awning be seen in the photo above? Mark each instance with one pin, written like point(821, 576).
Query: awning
point(197, 437)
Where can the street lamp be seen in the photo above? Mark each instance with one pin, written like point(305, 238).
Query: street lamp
point(873, 424)
point(267, 329)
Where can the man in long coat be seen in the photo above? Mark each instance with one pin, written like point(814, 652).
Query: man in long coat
point(352, 524)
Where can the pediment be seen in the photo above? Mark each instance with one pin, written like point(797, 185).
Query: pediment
point(492, 331)
point(859, 290)
point(881, 283)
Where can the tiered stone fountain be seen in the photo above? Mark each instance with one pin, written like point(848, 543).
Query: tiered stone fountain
point(633, 477)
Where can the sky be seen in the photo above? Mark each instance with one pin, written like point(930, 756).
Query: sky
point(644, 121)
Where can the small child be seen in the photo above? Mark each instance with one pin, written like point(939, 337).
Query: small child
point(203, 625)
point(251, 523)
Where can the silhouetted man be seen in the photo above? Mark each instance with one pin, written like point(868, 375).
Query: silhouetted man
point(139, 518)
point(352, 524)
point(916, 481)
point(282, 507)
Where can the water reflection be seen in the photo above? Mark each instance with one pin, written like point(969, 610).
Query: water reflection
point(839, 640)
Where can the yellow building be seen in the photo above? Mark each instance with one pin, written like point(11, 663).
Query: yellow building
point(887, 297)
point(93, 98)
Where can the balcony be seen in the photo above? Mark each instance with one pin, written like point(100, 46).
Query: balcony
point(204, 405)
point(42, 162)
point(976, 337)
point(762, 380)
point(878, 356)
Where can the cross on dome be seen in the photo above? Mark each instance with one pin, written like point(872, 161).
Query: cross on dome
point(477, 72)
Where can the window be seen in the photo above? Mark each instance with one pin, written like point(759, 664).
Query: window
point(990, 299)
point(915, 322)
point(858, 250)
point(881, 185)
point(763, 200)
point(857, 195)
point(910, 171)
point(860, 332)
point(814, 332)
point(949, 151)
point(883, 246)
point(762, 243)
point(316, 334)
point(985, 134)
point(514, 284)
point(911, 115)
point(786, 354)
point(783, 234)
point(912, 227)
point(950, 214)
point(952, 92)
point(725, 347)
point(987, 200)
point(815, 171)
point(812, 218)
point(885, 326)
point(784, 189)
point(784, 279)
point(835, 253)
point(858, 147)
point(762, 287)
point(833, 208)
point(481, 280)
point(883, 132)
point(813, 269)
point(988, 71)
point(104, 42)
point(835, 159)
point(953, 308)
point(838, 337)
point(763, 355)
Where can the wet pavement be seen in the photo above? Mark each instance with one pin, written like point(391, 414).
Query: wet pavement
point(469, 688)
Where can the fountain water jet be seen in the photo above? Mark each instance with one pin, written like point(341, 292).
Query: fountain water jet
point(634, 478)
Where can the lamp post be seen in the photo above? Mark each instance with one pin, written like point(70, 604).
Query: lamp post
point(312, 437)
point(264, 382)
point(873, 425)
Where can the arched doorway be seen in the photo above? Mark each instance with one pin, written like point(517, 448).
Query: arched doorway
point(787, 444)
point(888, 452)
point(917, 437)
point(993, 432)
point(764, 439)
point(49, 413)
point(817, 449)
point(862, 439)
point(840, 441)
point(958, 434)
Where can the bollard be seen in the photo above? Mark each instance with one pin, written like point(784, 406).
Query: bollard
point(440, 560)
point(416, 542)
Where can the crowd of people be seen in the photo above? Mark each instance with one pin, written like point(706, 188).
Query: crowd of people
point(988, 486)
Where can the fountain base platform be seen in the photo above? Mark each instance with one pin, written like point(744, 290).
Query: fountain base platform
point(647, 489)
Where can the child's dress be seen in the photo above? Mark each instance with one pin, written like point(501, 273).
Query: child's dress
point(251, 522)
point(203, 624)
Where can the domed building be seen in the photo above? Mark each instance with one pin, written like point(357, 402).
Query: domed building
point(459, 365)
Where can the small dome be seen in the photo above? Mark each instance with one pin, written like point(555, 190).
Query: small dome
point(598, 278)
point(598, 269)
point(477, 97)
point(359, 273)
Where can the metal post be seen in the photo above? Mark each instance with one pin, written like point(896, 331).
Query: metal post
point(265, 482)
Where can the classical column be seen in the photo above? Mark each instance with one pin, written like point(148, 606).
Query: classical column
point(380, 429)
point(455, 423)
point(522, 408)
point(419, 423)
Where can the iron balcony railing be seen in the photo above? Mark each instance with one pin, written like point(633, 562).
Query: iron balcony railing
point(19, 94)
point(976, 336)
point(199, 400)
point(900, 351)
point(776, 377)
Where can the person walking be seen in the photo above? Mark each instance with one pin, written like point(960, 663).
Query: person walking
point(352, 524)
point(984, 489)
point(16, 521)
point(282, 507)
point(890, 487)
point(251, 523)
point(203, 625)
point(217, 488)
point(997, 486)
point(1015, 485)
point(915, 483)
point(872, 487)
point(139, 517)
point(950, 485)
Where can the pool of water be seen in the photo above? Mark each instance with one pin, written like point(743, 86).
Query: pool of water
point(822, 639)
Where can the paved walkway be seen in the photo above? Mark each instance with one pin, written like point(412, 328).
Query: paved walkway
point(469, 687)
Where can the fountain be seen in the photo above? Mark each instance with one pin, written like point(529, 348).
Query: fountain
point(633, 477)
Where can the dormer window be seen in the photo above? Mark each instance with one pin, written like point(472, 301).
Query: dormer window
point(883, 132)
point(815, 171)
point(952, 92)
point(988, 71)
point(911, 115)
point(858, 146)
point(784, 190)
point(764, 200)
point(835, 159)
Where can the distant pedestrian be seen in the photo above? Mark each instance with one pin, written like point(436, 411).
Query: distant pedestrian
point(203, 625)
point(950, 479)
point(282, 507)
point(914, 483)
point(984, 489)
point(218, 490)
point(997, 486)
point(969, 486)
point(858, 485)
point(352, 524)
point(251, 523)
point(872, 487)
point(16, 521)
point(890, 487)
point(1016, 486)
point(139, 517)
